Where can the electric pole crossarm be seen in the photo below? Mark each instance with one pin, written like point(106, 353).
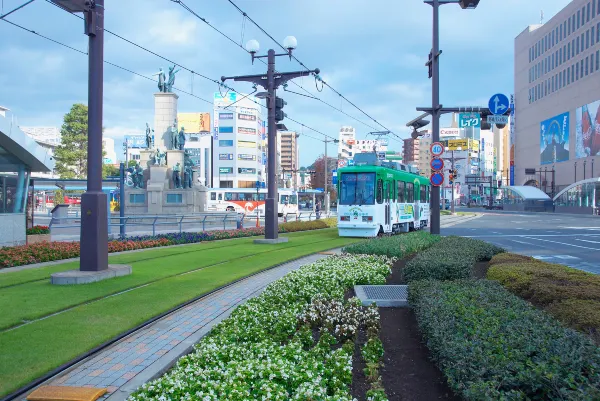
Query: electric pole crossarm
point(259, 79)
point(286, 76)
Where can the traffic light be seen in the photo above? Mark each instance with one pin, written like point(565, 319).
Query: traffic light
point(451, 178)
point(279, 114)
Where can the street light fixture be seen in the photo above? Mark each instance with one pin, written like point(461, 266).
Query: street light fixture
point(435, 95)
point(94, 215)
point(270, 82)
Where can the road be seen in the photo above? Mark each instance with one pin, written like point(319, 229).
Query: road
point(566, 239)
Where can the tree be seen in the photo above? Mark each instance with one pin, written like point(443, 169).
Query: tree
point(108, 170)
point(71, 155)
point(318, 178)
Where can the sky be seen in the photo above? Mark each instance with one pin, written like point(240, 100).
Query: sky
point(373, 52)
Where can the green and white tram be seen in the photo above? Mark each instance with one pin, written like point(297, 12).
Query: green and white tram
point(374, 200)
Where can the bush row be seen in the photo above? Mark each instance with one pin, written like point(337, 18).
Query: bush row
point(399, 246)
point(570, 295)
point(266, 351)
point(51, 251)
point(491, 344)
point(451, 258)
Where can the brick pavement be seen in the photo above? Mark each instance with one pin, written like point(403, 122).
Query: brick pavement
point(149, 352)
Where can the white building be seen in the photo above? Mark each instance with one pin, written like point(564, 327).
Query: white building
point(239, 142)
point(557, 96)
point(347, 138)
point(48, 138)
point(110, 156)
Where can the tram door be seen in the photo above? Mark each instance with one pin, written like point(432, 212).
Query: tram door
point(387, 189)
point(417, 208)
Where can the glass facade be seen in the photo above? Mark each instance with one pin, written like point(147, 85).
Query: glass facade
point(14, 184)
point(581, 195)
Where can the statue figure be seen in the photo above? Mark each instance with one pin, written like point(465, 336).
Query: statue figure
point(171, 82)
point(173, 135)
point(138, 176)
point(159, 158)
point(187, 176)
point(181, 139)
point(177, 175)
point(148, 137)
point(162, 86)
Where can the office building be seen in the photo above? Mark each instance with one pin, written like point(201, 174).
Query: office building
point(110, 156)
point(410, 152)
point(347, 139)
point(557, 98)
point(288, 156)
point(239, 151)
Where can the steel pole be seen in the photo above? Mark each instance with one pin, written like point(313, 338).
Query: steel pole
point(452, 196)
point(435, 115)
point(271, 229)
point(326, 203)
point(122, 200)
point(94, 215)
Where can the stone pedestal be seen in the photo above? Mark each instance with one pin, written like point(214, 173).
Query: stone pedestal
point(165, 113)
point(85, 277)
point(146, 156)
point(174, 157)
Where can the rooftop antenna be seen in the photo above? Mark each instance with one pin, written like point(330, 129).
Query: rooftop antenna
point(541, 17)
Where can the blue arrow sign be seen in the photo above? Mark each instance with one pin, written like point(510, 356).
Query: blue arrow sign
point(437, 179)
point(498, 104)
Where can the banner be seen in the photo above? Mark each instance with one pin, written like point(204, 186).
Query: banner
point(246, 157)
point(247, 131)
point(464, 144)
point(587, 132)
point(194, 123)
point(247, 117)
point(246, 144)
point(245, 170)
point(225, 156)
point(554, 139)
point(511, 143)
point(225, 170)
point(225, 116)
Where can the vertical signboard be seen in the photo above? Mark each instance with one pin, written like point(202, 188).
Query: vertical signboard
point(512, 139)
point(587, 133)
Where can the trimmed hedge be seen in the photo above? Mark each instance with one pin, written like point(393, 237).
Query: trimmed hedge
point(491, 344)
point(570, 295)
point(399, 246)
point(451, 258)
point(293, 226)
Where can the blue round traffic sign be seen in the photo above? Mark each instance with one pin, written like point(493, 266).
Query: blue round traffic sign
point(498, 104)
point(437, 164)
point(437, 179)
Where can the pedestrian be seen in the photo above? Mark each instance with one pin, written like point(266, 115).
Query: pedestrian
point(318, 209)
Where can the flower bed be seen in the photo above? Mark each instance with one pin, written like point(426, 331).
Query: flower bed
point(38, 230)
point(570, 295)
point(47, 252)
point(491, 344)
point(399, 246)
point(293, 342)
point(449, 259)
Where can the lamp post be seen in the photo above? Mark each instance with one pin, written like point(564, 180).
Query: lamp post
point(435, 96)
point(94, 215)
point(270, 82)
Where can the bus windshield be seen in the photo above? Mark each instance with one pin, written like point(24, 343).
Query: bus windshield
point(289, 199)
point(357, 189)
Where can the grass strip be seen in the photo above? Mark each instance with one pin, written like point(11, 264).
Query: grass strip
point(37, 299)
point(32, 350)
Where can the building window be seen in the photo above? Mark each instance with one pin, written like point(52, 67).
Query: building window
point(593, 35)
point(587, 60)
point(174, 198)
point(577, 51)
point(581, 69)
point(591, 63)
point(593, 8)
point(587, 11)
point(598, 55)
point(587, 39)
point(137, 198)
point(578, 18)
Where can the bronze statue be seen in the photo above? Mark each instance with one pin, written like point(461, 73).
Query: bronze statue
point(148, 137)
point(181, 139)
point(162, 86)
point(159, 158)
point(173, 136)
point(171, 82)
point(177, 175)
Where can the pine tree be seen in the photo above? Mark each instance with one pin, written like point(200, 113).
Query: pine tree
point(71, 154)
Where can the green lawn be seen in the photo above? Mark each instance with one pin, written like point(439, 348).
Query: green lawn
point(29, 351)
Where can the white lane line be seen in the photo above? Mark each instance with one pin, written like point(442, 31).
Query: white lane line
point(523, 242)
point(585, 240)
point(532, 235)
point(564, 243)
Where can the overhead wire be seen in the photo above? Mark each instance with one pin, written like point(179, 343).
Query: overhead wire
point(2, 16)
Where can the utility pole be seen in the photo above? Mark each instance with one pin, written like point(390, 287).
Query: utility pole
point(271, 81)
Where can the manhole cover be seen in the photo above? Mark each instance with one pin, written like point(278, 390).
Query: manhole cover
point(385, 296)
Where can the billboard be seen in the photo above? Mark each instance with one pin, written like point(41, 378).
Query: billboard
point(512, 140)
point(464, 144)
point(225, 116)
point(554, 139)
point(448, 132)
point(194, 123)
point(242, 156)
point(225, 156)
point(247, 117)
point(136, 141)
point(248, 131)
point(587, 131)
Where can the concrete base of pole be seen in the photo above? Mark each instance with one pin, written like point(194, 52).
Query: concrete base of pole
point(94, 232)
point(71, 277)
point(279, 240)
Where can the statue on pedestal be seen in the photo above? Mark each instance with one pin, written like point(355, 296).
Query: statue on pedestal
point(159, 158)
point(177, 175)
point(187, 177)
point(138, 176)
point(173, 136)
point(171, 82)
point(148, 137)
point(162, 86)
point(181, 139)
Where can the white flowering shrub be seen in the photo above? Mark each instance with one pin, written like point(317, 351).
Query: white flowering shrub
point(266, 351)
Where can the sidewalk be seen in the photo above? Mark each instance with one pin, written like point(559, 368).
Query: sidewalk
point(149, 352)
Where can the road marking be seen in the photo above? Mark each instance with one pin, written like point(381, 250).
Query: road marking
point(523, 242)
point(564, 243)
point(585, 240)
point(546, 257)
point(532, 235)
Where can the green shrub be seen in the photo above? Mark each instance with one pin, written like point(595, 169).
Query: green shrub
point(491, 344)
point(570, 295)
point(293, 226)
point(450, 259)
point(398, 246)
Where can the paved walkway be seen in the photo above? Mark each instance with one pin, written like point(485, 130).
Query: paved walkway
point(146, 354)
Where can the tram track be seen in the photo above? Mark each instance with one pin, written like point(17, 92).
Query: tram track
point(81, 358)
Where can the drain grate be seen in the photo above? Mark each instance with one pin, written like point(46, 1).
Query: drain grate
point(385, 296)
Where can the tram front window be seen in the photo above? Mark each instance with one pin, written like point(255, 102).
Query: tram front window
point(357, 189)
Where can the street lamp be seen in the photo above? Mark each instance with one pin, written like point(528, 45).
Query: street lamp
point(270, 82)
point(434, 66)
point(94, 215)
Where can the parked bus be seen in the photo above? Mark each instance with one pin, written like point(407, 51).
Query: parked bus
point(375, 200)
point(246, 200)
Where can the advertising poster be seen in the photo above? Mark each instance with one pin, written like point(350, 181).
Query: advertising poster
point(587, 131)
point(194, 123)
point(554, 139)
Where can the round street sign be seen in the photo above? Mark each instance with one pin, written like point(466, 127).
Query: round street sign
point(436, 149)
point(437, 179)
point(437, 164)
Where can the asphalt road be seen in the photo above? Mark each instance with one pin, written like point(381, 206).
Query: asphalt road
point(571, 240)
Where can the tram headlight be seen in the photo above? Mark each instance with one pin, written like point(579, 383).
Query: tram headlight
point(367, 219)
point(344, 218)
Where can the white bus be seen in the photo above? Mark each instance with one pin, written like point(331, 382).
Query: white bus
point(247, 200)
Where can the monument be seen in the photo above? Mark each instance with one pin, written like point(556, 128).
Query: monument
point(163, 181)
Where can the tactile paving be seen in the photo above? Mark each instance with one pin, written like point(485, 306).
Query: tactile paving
point(64, 393)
